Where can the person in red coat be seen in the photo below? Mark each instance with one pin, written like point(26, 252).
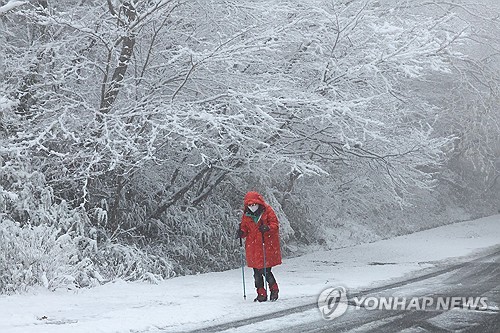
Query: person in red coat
point(259, 225)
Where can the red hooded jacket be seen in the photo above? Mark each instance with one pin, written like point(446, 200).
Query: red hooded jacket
point(250, 228)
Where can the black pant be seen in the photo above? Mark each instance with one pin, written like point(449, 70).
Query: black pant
point(258, 275)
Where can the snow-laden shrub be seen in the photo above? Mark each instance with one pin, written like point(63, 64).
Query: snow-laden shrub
point(130, 263)
point(39, 255)
point(42, 242)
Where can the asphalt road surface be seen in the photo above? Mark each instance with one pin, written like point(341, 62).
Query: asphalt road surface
point(473, 279)
point(477, 278)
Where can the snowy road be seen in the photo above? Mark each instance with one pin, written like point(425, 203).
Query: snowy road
point(476, 278)
point(479, 277)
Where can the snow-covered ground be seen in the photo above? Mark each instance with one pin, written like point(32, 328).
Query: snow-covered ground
point(191, 302)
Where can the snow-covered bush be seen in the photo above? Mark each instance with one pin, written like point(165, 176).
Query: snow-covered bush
point(39, 255)
point(129, 263)
point(41, 242)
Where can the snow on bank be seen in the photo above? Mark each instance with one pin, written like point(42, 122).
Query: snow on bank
point(203, 300)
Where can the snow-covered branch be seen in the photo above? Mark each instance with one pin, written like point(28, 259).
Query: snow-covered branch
point(11, 5)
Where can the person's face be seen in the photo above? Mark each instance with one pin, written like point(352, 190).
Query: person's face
point(253, 207)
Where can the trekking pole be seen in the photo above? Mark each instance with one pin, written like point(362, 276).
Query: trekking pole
point(264, 255)
point(243, 269)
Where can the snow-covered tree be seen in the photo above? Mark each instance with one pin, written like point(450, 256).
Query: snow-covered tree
point(148, 120)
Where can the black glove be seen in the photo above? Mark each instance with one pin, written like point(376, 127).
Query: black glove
point(264, 228)
point(239, 233)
